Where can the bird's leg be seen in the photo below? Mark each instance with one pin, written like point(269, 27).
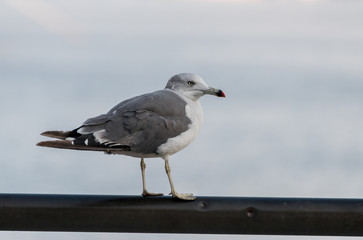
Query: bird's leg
point(145, 193)
point(185, 196)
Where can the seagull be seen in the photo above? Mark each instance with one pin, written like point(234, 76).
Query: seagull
point(156, 124)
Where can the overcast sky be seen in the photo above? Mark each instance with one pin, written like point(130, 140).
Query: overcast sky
point(291, 125)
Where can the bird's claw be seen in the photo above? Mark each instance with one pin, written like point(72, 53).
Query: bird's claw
point(146, 193)
point(184, 196)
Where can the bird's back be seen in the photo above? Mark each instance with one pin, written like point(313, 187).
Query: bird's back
point(140, 124)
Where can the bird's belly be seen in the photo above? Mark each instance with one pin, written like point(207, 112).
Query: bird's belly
point(175, 144)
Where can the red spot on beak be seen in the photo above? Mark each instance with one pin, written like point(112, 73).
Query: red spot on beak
point(221, 94)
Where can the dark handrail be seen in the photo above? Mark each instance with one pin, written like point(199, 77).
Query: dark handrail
point(207, 215)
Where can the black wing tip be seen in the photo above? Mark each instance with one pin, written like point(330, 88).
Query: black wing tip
point(41, 144)
point(62, 135)
point(56, 134)
point(55, 144)
point(66, 144)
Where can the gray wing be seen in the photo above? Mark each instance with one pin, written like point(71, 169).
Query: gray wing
point(141, 123)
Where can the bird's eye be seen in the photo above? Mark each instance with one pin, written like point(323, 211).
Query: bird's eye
point(191, 83)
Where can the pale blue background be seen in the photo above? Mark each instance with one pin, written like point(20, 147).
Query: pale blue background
point(291, 125)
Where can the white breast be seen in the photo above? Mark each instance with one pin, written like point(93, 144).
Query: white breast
point(195, 113)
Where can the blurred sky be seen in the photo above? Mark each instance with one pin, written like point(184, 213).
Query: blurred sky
point(291, 125)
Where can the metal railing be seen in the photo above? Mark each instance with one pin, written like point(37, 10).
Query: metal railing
point(206, 215)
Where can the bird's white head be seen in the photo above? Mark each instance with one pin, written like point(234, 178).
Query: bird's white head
point(192, 86)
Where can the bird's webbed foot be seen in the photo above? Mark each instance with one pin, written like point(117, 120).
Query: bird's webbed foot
point(184, 196)
point(146, 193)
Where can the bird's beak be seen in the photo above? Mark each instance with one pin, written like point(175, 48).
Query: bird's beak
point(215, 92)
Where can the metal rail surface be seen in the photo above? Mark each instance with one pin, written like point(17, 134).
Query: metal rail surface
point(206, 215)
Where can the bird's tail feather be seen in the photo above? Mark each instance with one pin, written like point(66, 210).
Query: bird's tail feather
point(67, 141)
point(66, 144)
point(57, 134)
